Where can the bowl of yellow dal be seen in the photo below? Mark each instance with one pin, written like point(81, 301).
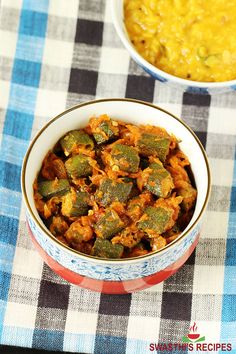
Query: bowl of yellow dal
point(187, 43)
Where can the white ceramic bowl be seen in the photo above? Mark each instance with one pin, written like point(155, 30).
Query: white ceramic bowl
point(187, 85)
point(126, 274)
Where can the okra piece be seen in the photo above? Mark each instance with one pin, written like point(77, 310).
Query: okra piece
point(189, 195)
point(105, 249)
point(57, 187)
point(78, 166)
point(137, 204)
point(125, 157)
point(75, 139)
point(75, 204)
point(155, 220)
point(103, 129)
point(109, 225)
point(134, 190)
point(105, 133)
point(152, 144)
point(159, 181)
point(111, 191)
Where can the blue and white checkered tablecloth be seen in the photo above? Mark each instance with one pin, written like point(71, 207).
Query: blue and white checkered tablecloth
point(54, 54)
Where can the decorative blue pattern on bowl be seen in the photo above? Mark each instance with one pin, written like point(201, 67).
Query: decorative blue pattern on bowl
point(107, 271)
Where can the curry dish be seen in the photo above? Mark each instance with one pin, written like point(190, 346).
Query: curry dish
point(115, 190)
point(192, 39)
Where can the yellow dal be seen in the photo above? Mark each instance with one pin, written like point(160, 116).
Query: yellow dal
point(192, 39)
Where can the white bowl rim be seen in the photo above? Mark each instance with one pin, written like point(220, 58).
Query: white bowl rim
point(98, 259)
point(154, 69)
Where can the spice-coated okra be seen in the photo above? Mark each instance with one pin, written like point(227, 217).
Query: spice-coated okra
point(159, 181)
point(78, 166)
point(105, 249)
point(74, 140)
point(109, 225)
point(103, 128)
point(125, 157)
point(155, 220)
point(153, 145)
point(110, 191)
point(57, 187)
point(75, 203)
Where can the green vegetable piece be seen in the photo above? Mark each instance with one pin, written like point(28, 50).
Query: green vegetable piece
point(155, 220)
point(111, 191)
point(160, 181)
point(75, 204)
point(134, 190)
point(189, 195)
point(105, 249)
point(125, 157)
point(202, 52)
point(212, 60)
point(109, 225)
point(57, 187)
point(76, 139)
point(105, 131)
point(151, 144)
point(78, 166)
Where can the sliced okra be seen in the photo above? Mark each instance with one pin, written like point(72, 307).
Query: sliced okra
point(155, 220)
point(57, 187)
point(75, 139)
point(75, 204)
point(134, 190)
point(103, 128)
point(79, 166)
point(125, 157)
point(189, 195)
point(137, 204)
point(109, 225)
point(104, 134)
point(110, 191)
point(105, 249)
point(152, 144)
point(159, 181)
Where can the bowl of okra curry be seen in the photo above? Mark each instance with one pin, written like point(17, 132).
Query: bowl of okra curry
point(114, 191)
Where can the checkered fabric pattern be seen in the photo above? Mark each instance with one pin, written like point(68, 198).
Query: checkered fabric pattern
point(57, 53)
